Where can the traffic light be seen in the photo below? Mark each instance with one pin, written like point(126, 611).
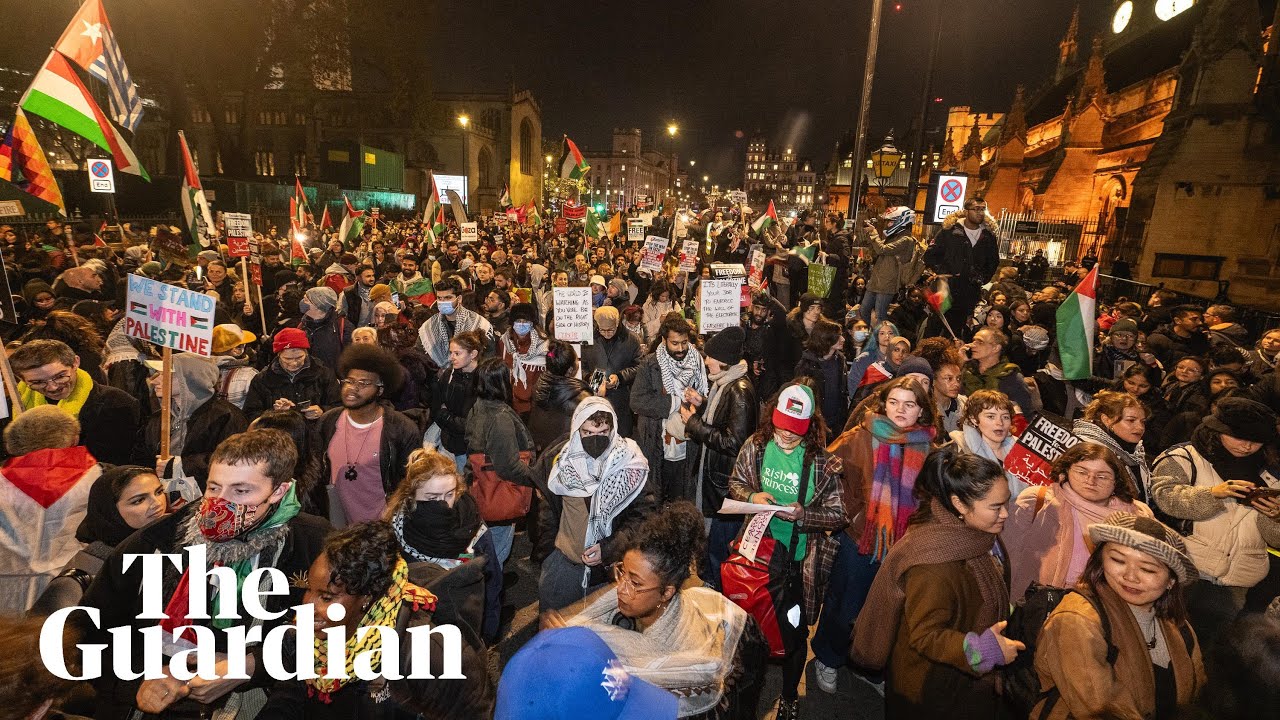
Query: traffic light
point(599, 208)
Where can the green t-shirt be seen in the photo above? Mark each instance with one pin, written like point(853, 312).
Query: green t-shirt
point(780, 477)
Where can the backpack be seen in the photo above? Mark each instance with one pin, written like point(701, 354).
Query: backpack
point(1021, 682)
point(1181, 526)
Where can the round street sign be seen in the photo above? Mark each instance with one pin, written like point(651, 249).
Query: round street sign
point(99, 168)
point(951, 190)
point(101, 178)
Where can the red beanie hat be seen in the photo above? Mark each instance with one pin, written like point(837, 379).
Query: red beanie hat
point(290, 338)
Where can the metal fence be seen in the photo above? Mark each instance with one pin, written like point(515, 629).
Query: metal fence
point(1061, 238)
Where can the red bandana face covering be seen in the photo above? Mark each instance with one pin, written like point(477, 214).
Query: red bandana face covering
point(222, 520)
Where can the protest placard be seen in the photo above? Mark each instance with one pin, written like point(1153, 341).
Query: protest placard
point(470, 232)
point(755, 269)
point(239, 230)
point(1039, 445)
point(655, 252)
point(720, 307)
point(689, 256)
point(572, 307)
point(820, 279)
point(635, 230)
point(169, 316)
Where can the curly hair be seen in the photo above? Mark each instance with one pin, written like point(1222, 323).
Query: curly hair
point(939, 351)
point(70, 328)
point(362, 557)
point(1111, 404)
point(984, 400)
point(672, 541)
point(373, 359)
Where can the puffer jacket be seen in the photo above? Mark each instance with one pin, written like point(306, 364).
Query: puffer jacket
point(314, 384)
point(619, 356)
point(721, 438)
point(1229, 539)
point(554, 400)
point(891, 256)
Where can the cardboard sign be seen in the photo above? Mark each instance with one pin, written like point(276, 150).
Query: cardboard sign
point(733, 270)
point(738, 197)
point(655, 252)
point(573, 310)
point(499, 218)
point(513, 215)
point(1038, 446)
point(470, 232)
point(239, 230)
point(635, 230)
point(689, 256)
point(11, 207)
point(169, 316)
point(562, 226)
point(255, 260)
point(720, 307)
point(755, 269)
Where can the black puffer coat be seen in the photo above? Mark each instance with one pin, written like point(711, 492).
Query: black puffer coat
point(554, 400)
point(723, 436)
point(619, 355)
point(313, 384)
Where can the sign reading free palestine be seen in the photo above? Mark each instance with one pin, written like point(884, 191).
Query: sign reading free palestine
point(169, 316)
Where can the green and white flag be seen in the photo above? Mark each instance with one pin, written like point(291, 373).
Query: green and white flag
point(195, 209)
point(1077, 326)
point(352, 226)
point(770, 217)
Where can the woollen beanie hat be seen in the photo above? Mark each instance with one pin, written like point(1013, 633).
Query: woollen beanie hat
point(1125, 325)
point(1147, 535)
point(795, 409)
point(1244, 419)
point(915, 364)
point(289, 339)
point(380, 293)
point(726, 345)
point(321, 298)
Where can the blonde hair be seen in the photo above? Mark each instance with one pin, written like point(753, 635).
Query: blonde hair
point(423, 465)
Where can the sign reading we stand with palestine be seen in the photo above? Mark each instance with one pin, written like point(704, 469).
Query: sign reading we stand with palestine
point(169, 316)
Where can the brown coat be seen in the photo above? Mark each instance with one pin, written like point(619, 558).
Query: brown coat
point(1072, 656)
point(858, 461)
point(928, 674)
point(821, 517)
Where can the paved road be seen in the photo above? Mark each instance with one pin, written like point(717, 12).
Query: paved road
point(853, 698)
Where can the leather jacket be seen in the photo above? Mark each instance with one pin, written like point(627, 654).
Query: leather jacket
point(723, 436)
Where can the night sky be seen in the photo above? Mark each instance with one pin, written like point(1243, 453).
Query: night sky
point(791, 70)
point(721, 69)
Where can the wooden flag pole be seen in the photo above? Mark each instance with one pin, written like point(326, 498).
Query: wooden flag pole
point(247, 282)
point(166, 389)
point(262, 313)
point(10, 385)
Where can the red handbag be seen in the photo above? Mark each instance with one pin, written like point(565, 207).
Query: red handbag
point(499, 500)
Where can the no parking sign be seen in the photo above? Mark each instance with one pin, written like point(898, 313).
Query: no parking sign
point(948, 197)
point(101, 178)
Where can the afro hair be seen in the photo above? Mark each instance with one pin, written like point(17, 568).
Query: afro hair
point(373, 359)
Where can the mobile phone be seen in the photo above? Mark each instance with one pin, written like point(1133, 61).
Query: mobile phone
point(597, 377)
point(1260, 492)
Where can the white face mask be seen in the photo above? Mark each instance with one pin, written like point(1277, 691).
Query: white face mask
point(445, 307)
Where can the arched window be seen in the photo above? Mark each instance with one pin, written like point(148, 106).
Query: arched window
point(526, 147)
point(484, 169)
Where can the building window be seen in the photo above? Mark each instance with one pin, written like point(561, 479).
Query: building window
point(231, 116)
point(300, 163)
point(526, 147)
point(299, 118)
point(265, 162)
point(1187, 267)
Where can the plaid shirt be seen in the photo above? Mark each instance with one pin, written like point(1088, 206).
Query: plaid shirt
point(822, 517)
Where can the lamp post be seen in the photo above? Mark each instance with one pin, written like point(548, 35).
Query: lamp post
point(465, 122)
point(860, 139)
point(884, 162)
point(673, 167)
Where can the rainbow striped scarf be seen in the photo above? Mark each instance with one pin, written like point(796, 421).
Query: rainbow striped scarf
point(898, 455)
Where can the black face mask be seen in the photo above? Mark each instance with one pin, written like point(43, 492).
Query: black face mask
point(595, 445)
point(433, 528)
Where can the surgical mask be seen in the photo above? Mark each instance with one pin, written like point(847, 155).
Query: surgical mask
point(222, 520)
point(303, 306)
point(445, 306)
point(860, 336)
point(523, 328)
point(595, 445)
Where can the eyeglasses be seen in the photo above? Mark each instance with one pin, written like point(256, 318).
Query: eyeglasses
point(1098, 477)
point(61, 378)
point(624, 582)
point(359, 384)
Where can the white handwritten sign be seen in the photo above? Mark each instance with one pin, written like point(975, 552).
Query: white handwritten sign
point(720, 306)
point(655, 252)
point(572, 307)
point(689, 256)
point(169, 316)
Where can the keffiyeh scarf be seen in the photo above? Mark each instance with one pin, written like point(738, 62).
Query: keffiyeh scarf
point(534, 357)
point(435, 332)
point(898, 455)
point(383, 612)
point(680, 374)
point(612, 481)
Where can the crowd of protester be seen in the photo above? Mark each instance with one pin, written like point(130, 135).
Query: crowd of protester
point(823, 486)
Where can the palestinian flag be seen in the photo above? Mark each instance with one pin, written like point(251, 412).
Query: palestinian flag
point(21, 151)
point(57, 95)
point(770, 217)
point(433, 214)
point(532, 215)
point(504, 200)
point(938, 295)
point(304, 216)
point(352, 226)
point(421, 291)
point(326, 222)
point(1077, 326)
point(808, 252)
point(876, 373)
point(572, 165)
point(594, 229)
point(195, 209)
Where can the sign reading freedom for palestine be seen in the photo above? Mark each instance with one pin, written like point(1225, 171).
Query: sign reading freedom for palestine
point(169, 316)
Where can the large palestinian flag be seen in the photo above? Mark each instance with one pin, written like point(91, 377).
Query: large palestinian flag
point(572, 165)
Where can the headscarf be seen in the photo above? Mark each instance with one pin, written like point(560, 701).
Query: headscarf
point(102, 520)
point(612, 481)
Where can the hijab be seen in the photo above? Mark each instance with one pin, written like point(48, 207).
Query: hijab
point(102, 520)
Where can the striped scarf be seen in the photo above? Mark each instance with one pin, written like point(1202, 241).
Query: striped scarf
point(898, 455)
point(383, 612)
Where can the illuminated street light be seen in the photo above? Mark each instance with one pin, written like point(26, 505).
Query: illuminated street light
point(463, 120)
point(672, 129)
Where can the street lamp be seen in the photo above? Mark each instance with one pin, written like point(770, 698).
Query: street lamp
point(465, 121)
point(885, 161)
